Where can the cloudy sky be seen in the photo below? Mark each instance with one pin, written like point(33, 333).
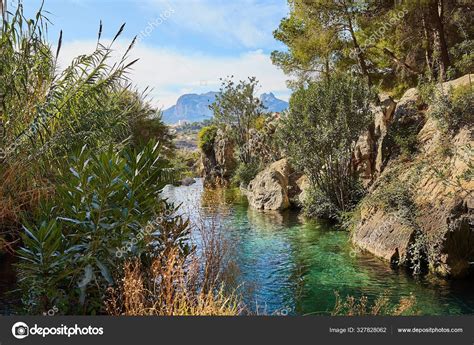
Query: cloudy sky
point(185, 45)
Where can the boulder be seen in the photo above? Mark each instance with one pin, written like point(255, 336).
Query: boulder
point(187, 181)
point(384, 235)
point(269, 189)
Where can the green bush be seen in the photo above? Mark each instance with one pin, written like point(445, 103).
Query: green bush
point(406, 138)
point(324, 121)
point(206, 138)
point(463, 56)
point(317, 205)
point(237, 108)
point(454, 108)
point(245, 173)
point(97, 218)
point(144, 121)
point(185, 163)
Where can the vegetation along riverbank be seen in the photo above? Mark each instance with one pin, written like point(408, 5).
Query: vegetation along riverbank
point(107, 210)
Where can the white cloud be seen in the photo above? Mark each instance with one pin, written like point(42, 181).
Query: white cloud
point(246, 22)
point(172, 74)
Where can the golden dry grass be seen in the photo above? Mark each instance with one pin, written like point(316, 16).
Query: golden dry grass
point(351, 306)
point(19, 193)
point(170, 287)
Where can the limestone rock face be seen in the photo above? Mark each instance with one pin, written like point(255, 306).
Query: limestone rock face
point(224, 153)
point(207, 167)
point(299, 188)
point(441, 222)
point(269, 189)
point(383, 235)
point(218, 164)
point(369, 156)
point(261, 143)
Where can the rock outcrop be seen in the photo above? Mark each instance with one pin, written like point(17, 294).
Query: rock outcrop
point(269, 189)
point(188, 181)
point(428, 213)
point(370, 153)
point(218, 163)
point(261, 143)
point(276, 188)
point(224, 153)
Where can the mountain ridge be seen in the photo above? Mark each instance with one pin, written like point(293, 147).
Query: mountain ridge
point(194, 107)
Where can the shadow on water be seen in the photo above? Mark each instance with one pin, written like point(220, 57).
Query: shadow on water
point(287, 263)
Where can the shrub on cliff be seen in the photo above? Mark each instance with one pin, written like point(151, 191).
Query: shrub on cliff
point(245, 173)
point(325, 120)
point(452, 108)
point(207, 137)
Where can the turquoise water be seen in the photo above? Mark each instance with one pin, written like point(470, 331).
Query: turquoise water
point(287, 265)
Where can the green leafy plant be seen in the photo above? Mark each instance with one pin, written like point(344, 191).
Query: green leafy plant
point(324, 121)
point(43, 267)
point(245, 173)
point(453, 108)
point(103, 203)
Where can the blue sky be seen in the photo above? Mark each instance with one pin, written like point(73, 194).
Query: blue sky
point(185, 45)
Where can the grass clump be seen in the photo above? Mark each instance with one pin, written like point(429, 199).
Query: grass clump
point(169, 287)
point(352, 306)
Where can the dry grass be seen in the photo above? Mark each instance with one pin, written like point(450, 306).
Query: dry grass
point(19, 193)
point(170, 287)
point(351, 306)
point(200, 283)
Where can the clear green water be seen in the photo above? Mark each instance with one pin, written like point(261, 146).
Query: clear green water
point(287, 265)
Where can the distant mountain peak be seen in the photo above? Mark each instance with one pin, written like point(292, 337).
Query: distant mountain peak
point(194, 107)
point(273, 104)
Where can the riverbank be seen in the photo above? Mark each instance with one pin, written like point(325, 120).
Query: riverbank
point(288, 264)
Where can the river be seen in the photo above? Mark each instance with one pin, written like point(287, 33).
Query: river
point(287, 265)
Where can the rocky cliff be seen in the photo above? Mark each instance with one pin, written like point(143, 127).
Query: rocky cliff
point(218, 163)
point(419, 211)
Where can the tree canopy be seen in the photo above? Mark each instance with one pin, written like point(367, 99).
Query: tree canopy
point(390, 42)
